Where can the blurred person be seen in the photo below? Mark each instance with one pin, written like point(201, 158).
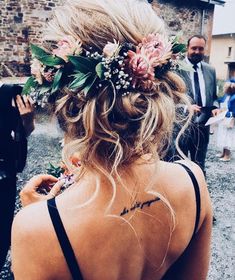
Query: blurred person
point(226, 127)
point(128, 214)
point(16, 122)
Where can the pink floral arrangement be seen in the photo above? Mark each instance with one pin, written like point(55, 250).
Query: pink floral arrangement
point(124, 66)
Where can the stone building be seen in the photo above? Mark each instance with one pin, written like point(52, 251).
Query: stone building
point(223, 55)
point(22, 22)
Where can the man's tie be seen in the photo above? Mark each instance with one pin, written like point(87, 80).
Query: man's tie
point(198, 98)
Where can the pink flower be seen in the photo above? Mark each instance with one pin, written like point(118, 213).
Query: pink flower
point(154, 51)
point(110, 49)
point(37, 70)
point(158, 48)
point(66, 47)
point(140, 65)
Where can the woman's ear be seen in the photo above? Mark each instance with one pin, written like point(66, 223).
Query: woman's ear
point(75, 159)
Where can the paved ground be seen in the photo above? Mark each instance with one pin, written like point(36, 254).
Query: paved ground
point(44, 147)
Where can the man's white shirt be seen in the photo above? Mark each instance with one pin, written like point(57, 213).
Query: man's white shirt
point(201, 81)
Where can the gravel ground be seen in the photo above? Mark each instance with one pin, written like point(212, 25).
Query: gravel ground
point(44, 147)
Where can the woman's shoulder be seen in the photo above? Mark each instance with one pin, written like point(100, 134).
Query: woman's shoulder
point(30, 225)
point(174, 178)
point(180, 171)
point(181, 186)
point(31, 216)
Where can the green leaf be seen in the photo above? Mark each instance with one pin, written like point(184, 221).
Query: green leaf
point(44, 57)
point(89, 85)
point(100, 69)
point(79, 80)
point(51, 60)
point(55, 170)
point(56, 82)
point(38, 52)
point(44, 89)
point(83, 64)
point(179, 48)
point(30, 83)
point(79, 74)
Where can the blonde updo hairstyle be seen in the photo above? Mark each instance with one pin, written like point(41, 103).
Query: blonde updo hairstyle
point(110, 131)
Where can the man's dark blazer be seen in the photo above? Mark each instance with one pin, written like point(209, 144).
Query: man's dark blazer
point(210, 88)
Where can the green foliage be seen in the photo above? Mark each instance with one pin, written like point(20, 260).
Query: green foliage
point(54, 170)
point(83, 64)
point(30, 83)
point(80, 79)
point(178, 48)
point(44, 57)
point(57, 79)
point(44, 88)
point(100, 69)
point(51, 60)
point(38, 52)
point(87, 71)
point(90, 83)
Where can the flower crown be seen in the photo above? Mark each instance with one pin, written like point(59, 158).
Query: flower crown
point(125, 67)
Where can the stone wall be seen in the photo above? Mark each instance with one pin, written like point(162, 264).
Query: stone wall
point(22, 22)
point(188, 17)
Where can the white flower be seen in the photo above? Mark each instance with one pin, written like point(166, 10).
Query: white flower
point(111, 49)
point(37, 69)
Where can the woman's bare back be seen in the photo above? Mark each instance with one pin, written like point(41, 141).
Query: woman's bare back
point(136, 239)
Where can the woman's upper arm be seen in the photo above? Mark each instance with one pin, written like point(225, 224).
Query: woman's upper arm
point(19, 250)
point(26, 240)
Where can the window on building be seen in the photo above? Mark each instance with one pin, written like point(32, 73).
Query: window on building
point(229, 51)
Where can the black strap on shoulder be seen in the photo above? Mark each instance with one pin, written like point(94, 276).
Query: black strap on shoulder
point(197, 195)
point(63, 240)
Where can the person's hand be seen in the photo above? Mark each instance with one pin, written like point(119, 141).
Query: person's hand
point(26, 109)
point(40, 183)
point(215, 112)
point(195, 108)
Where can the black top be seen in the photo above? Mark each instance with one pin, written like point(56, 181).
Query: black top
point(64, 240)
point(197, 195)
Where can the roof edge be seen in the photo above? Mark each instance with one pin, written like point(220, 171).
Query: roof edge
point(214, 2)
point(223, 34)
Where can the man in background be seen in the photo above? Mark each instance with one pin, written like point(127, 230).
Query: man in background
point(201, 87)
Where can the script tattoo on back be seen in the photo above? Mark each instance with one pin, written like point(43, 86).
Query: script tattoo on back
point(139, 205)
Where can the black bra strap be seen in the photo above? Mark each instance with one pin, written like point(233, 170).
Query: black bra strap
point(197, 195)
point(63, 240)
